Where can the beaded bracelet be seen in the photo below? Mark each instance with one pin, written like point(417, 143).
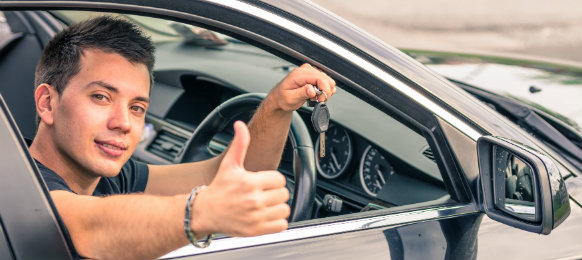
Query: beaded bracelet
point(187, 228)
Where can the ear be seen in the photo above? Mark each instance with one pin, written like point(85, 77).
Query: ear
point(45, 97)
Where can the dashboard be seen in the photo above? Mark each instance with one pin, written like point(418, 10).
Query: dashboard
point(355, 171)
point(372, 160)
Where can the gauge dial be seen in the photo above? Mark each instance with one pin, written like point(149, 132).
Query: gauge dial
point(374, 171)
point(338, 152)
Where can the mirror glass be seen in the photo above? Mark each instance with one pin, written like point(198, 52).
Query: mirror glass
point(514, 185)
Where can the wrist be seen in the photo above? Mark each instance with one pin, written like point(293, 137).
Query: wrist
point(194, 225)
point(272, 105)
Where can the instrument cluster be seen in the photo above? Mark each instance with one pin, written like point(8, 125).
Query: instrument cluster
point(354, 161)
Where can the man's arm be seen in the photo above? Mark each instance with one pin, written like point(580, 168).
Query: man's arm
point(269, 129)
point(123, 226)
point(139, 226)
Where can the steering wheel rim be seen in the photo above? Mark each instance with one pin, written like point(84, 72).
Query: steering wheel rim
point(196, 148)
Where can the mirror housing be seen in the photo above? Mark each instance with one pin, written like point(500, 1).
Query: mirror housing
point(520, 186)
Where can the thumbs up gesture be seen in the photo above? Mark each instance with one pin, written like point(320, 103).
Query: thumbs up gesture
point(239, 202)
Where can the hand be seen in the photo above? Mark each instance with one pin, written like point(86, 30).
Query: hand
point(297, 87)
point(239, 202)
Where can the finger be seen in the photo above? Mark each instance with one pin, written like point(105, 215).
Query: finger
point(305, 92)
point(275, 196)
point(268, 180)
point(327, 85)
point(274, 226)
point(275, 212)
point(236, 153)
point(306, 66)
point(312, 76)
point(263, 228)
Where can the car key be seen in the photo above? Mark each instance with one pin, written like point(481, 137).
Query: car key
point(320, 120)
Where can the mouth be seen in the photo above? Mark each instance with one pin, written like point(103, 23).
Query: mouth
point(111, 148)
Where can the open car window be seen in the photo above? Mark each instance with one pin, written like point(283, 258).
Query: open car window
point(376, 163)
point(373, 160)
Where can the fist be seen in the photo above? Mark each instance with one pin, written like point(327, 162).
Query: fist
point(297, 87)
point(239, 202)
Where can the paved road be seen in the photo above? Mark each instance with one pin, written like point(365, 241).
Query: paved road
point(551, 29)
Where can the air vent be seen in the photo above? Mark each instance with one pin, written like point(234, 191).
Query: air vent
point(428, 154)
point(167, 145)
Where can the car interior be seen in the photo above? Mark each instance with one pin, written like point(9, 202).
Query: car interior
point(373, 160)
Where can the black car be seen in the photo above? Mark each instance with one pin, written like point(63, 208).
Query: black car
point(417, 166)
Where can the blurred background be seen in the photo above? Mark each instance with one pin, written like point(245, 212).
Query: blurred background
point(548, 29)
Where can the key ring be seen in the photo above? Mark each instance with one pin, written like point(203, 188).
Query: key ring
point(324, 95)
point(318, 93)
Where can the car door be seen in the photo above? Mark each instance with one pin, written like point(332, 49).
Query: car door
point(29, 228)
point(412, 215)
point(386, 112)
point(425, 223)
point(423, 228)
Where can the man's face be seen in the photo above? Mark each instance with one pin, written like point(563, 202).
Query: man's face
point(100, 114)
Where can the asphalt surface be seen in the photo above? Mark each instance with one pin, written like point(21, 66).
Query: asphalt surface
point(550, 29)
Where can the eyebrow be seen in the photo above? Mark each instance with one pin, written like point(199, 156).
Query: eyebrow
point(114, 89)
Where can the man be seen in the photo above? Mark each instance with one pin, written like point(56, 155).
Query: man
point(93, 83)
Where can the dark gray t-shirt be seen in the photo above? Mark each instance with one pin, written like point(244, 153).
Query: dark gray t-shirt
point(132, 178)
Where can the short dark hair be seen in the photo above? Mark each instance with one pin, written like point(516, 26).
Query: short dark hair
point(61, 58)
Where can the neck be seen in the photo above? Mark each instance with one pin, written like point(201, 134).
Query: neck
point(44, 150)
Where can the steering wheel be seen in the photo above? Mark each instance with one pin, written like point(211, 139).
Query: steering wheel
point(196, 148)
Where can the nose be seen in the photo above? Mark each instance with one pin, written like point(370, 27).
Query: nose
point(119, 119)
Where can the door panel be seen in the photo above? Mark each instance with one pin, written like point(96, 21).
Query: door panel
point(27, 215)
point(446, 238)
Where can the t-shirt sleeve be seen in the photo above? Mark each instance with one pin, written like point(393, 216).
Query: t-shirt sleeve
point(53, 181)
point(135, 175)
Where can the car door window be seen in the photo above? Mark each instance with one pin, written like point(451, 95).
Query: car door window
point(376, 162)
point(372, 161)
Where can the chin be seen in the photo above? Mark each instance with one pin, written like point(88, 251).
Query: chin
point(109, 169)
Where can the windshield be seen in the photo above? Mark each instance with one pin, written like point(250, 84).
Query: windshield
point(553, 89)
point(518, 92)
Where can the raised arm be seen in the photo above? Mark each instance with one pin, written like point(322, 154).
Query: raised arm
point(269, 128)
point(270, 125)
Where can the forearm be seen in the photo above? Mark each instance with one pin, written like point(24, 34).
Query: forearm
point(123, 226)
point(270, 125)
point(269, 130)
point(181, 178)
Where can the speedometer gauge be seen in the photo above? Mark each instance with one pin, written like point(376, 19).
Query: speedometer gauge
point(338, 152)
point(374, 171)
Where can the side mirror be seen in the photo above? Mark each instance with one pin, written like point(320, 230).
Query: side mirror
point(520, 186)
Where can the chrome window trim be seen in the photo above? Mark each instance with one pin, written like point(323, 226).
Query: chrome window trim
point(316, 230)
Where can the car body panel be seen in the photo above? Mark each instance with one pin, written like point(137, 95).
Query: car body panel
point(25, 207)
point(546, 84)
point(423, 234)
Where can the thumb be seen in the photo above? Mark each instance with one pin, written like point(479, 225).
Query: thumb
point(235, 156)
point(305, 92)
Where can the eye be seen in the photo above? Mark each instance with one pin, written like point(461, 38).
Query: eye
point(99, 97)
point(138, 109)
